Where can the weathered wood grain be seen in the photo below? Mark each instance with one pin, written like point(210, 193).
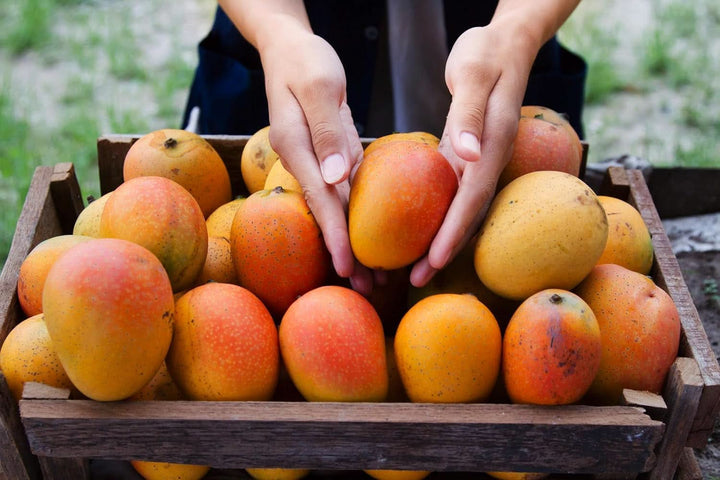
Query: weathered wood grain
point(471, 437)
point(38, 221)
point(682, 393)
point(695, 344)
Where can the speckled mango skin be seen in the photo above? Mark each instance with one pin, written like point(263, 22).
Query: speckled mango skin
point(28, 355)
point(640, 327)
point(333, 347)
point(183, 157)
point(109, 309)
point(397, 474)
point(278, 473)
point(173, 471)
point(277, 248)
point(225, 345)
point(35, 267)
point(629, 242)
point(546, 229)
point(551, 349)
point(398, 199)
point(448, 349)
point(163, 217)
point(218, 265)
point(88, 221)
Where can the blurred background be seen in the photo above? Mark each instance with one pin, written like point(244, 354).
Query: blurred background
point(73, 70)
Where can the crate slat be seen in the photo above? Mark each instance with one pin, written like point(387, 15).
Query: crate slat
point(336, 436)
point(695, 343)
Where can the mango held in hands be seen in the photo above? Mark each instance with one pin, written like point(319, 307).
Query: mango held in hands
point(398, 200)
point(109, 311)
point(545, 229)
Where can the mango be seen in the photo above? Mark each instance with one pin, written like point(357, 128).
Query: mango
point(277, 473)
point(108, 306)
point(219, 223)
point(551, 349)
point(398, 199)
point(28, 355)
point(448, 350)
point(225, 345)
point(88, 221)
point(545, 140)
point(277, 248)
point(640, 329)
point(397, 474)
point(165, 471)
point(333, 346)
point(183, 157)
point(257, 159)
point(163, 217)
point(629, 243)
point(35, 267)
point(546, 229)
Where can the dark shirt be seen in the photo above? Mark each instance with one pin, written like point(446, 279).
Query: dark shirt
point(229, 84)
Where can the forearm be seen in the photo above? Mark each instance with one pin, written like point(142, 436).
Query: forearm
point(262, 21)
point(534, 21)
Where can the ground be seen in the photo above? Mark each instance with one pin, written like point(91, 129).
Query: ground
point(697, 268)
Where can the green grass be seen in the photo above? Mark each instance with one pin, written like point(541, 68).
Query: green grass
point(597, 45)
point(105, 85)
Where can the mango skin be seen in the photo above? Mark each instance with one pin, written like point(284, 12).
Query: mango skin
point(640, 328)
point(35, 267)
point(551, 349)
point(277, 248)
point(183, 157)
point(163, 217)
point(108, 307)
point(225, 345)
point(629, 242)
point(333, 345)
point(546, 229)
point(448, 350)
point(28, 355)
point(398, 199)
point(164, 470)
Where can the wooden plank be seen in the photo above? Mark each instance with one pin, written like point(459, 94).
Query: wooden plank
point(37, 221)
point(66, 195)
point(113, 148)
point(688, 467)
point(461, 437)
point(652, 403)
point(695, 344)
point(18, 463)
point(683, 191)
point(682, 392)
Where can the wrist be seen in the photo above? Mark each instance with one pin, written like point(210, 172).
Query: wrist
point(278, 29)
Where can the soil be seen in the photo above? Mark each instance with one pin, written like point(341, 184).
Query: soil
point(699, 270)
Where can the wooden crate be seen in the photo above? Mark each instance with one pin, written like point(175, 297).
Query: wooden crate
point(51, 436)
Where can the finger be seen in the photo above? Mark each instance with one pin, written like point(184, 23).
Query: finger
point(361, 280)
point(328, 130)
point(291, 139)
point(467, 113)
point(422, 272)
point(475, 190)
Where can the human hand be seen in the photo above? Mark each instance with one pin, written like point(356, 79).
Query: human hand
point(313, 133)
point(486, 73)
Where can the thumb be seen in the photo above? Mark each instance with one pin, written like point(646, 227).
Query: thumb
point(465, 123)
point(330, 141)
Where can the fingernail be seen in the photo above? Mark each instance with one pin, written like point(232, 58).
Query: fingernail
point(470, 141)
point(333, 168)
